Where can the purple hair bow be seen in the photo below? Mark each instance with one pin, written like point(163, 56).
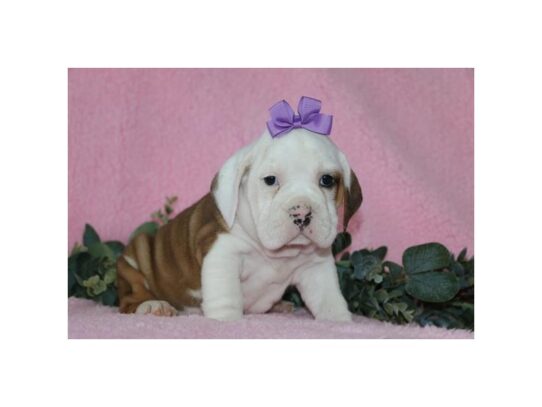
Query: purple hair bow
point(283, 118)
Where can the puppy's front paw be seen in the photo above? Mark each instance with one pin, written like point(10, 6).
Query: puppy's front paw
point(342, 316)
point(158, 308)
point(223, 314)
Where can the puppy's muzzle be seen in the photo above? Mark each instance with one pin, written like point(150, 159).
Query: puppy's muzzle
point(301, 215)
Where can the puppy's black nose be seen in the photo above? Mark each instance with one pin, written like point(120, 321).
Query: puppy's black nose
point(301, 215)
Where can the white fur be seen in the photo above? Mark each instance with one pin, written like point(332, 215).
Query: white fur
point(248, 269)
point(162, 308)
point(229, 180)
point(195, 294)
point(131, 262)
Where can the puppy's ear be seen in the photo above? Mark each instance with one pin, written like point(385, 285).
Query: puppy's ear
point(350, 191)
point(225, 185)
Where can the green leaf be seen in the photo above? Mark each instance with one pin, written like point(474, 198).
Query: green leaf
point(462, 255)
point(356, 258)
point(459, 271)
point(374, 303)
point(447, 317)
point(433, 286)
point(109, 297)
point(457, 268)
point(116, 246)
point(366, 266)
point(382, 295)
point(95, 285)
point(292, 295)
point(468, 266)
point(110, 276)
point(99, 288)
point(344, 274)
point(353, 291)
point(408, 315)
point(393, 275)
point(377, 278)
point(380, 252)
point(401, 306)
point(71, 275)
point(150, 228)
point(398, 292)
point(91, 281)
point(345, 264)
point(170, 200)
point(425, 257)
point(341, 242)
point(359, 273)
point(389, 308)
point(90, 235)
point(80, 291)
point(101, 250)
point(85, 266)
point(395, 269)
point(77, 248)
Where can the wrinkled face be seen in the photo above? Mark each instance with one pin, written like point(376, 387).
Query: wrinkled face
point(292, 187)
point(285, 192)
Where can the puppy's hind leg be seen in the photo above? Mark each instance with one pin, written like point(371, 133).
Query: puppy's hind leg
point(134, 293)
point(132, 286)
point(134, 290)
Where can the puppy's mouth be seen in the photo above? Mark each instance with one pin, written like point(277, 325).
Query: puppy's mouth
point(299, 244)
point(299, 241)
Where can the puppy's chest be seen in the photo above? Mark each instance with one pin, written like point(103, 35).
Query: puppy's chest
point(271, 270)
point(264, 280)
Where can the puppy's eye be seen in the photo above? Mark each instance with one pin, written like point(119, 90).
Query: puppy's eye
point(327, 181)
point(270, 180)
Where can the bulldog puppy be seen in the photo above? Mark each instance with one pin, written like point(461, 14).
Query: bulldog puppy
point(267, 223)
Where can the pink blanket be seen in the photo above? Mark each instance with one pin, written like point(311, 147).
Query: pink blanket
point(90, 320)
point(137, 135)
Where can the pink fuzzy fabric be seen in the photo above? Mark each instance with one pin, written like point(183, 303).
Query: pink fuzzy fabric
point(137, 135)
point(90, 320)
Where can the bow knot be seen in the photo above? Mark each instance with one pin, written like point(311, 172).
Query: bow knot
point(283, 118)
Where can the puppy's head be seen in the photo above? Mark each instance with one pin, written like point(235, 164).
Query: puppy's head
point(286, 191)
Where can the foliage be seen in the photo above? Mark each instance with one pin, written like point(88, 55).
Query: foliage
point(92, 271)
point(431, 287)
point(162, 217)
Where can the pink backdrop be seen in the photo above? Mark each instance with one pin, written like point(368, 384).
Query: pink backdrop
point(137, 135)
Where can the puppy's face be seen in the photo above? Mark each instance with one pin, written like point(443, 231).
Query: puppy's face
point(292, 189)
point(287, 190)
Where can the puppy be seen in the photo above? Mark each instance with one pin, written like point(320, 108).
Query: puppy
point(267, 223)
